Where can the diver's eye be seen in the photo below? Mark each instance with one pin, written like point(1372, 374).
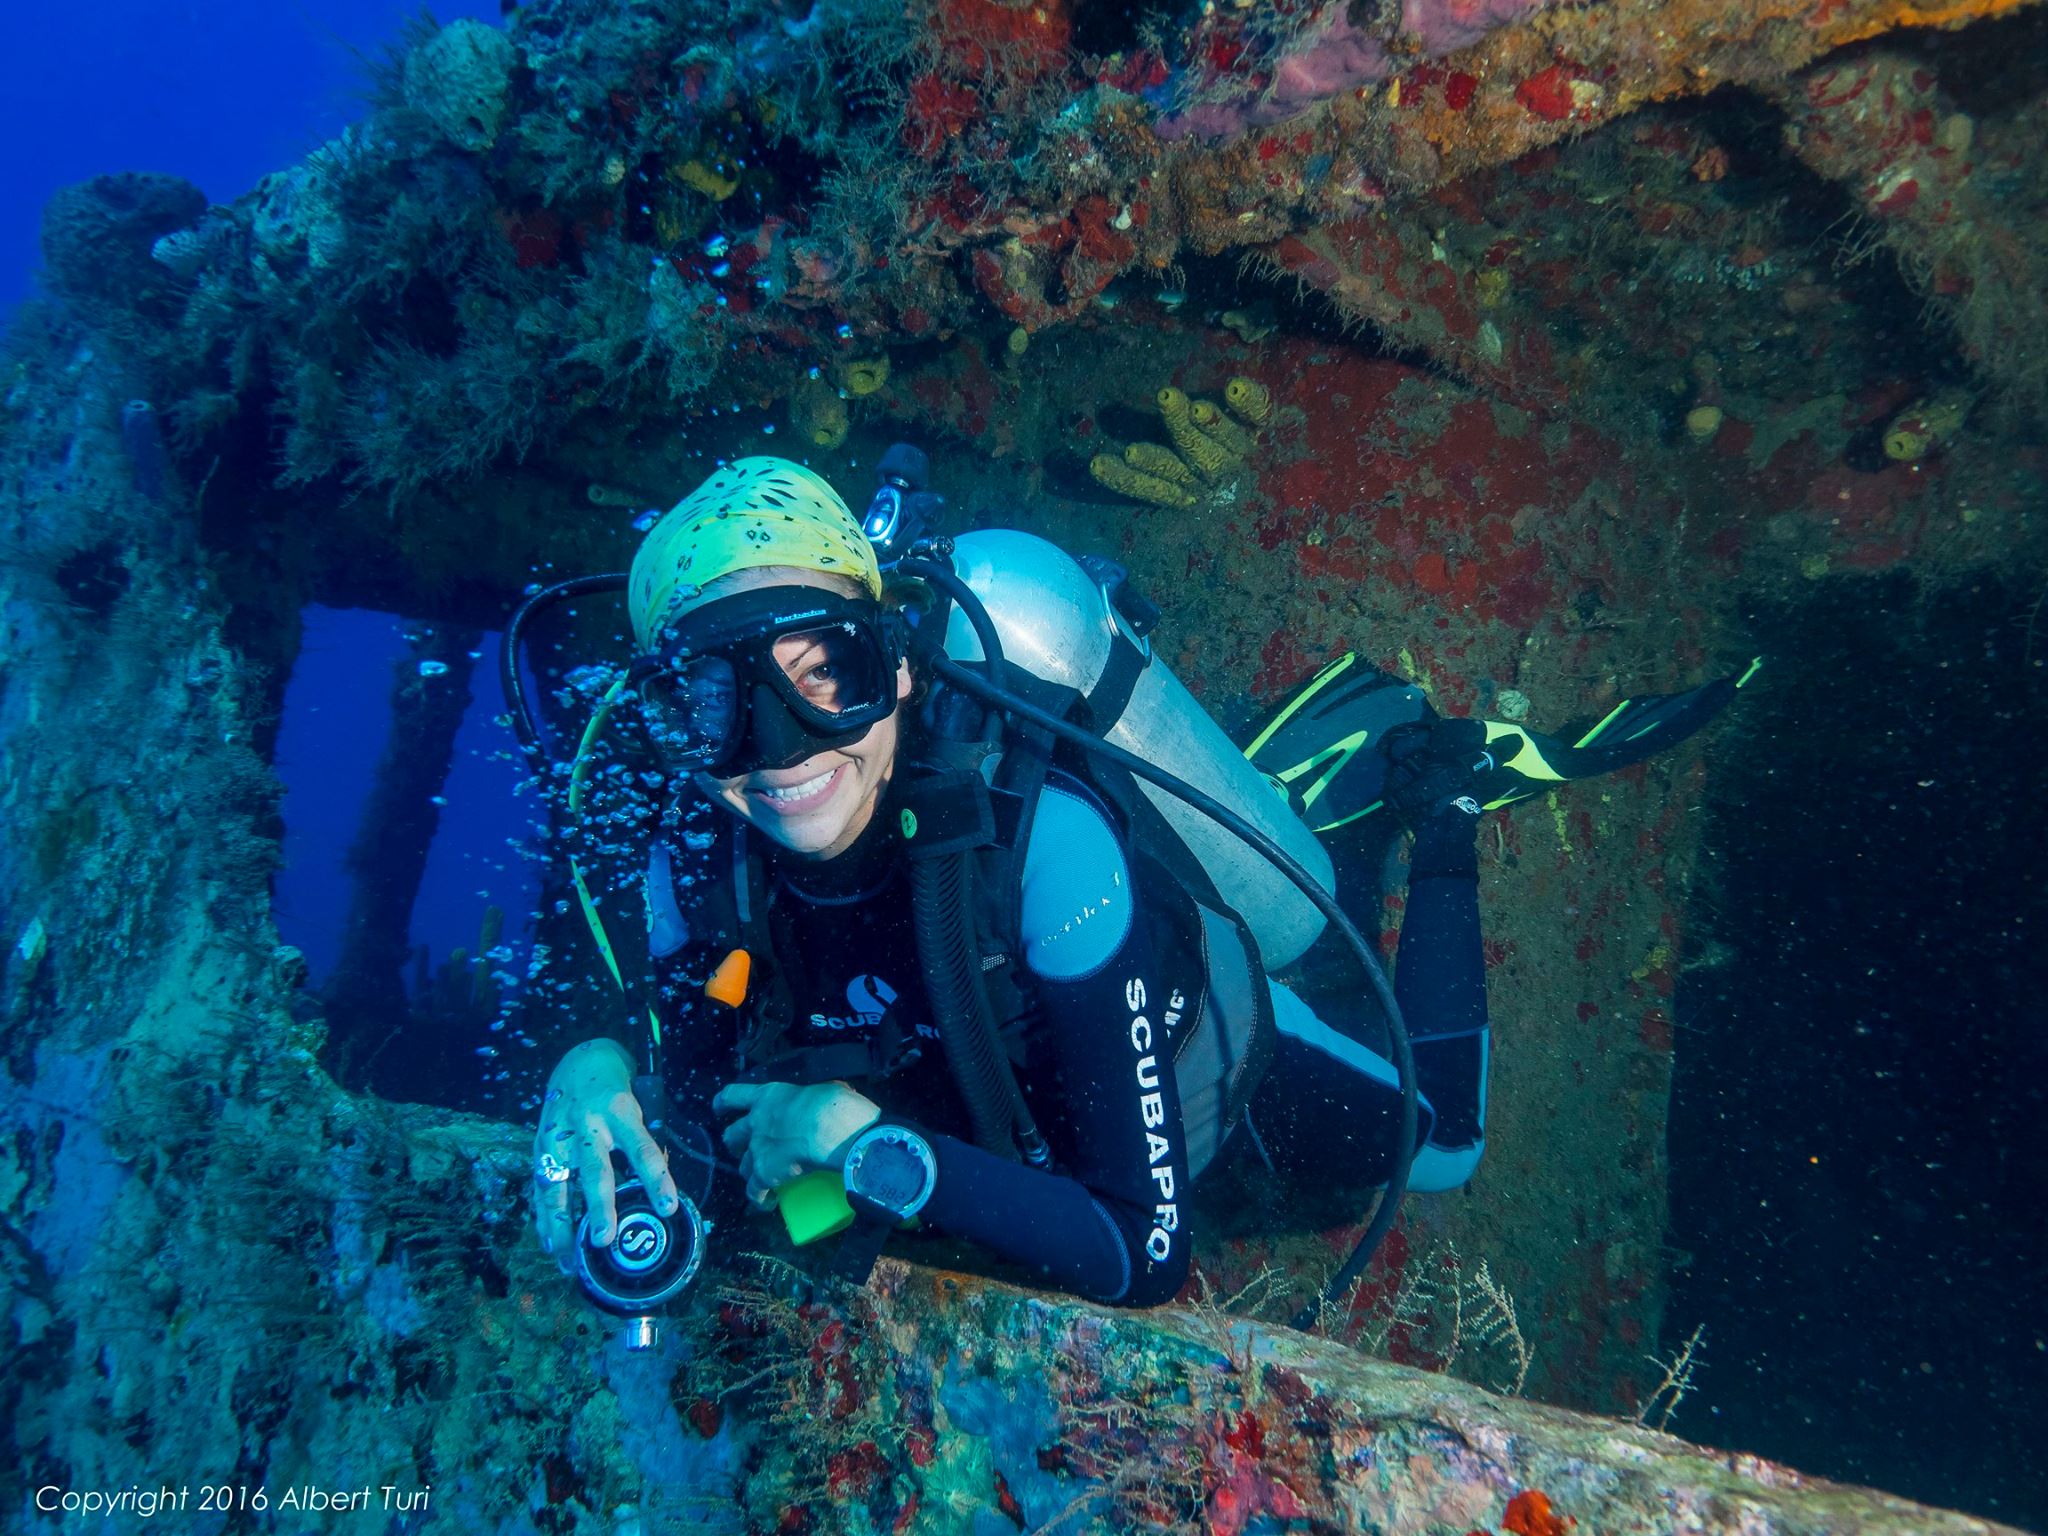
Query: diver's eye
point(819, 667)
point(820, 685)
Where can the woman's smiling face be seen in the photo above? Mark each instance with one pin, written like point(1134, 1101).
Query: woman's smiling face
point(820, 806)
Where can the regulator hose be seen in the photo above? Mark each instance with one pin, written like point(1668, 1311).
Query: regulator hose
point(940, 887)
point(941, 575)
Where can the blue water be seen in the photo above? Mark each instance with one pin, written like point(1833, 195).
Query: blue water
point(218, 92)
point(336, 722)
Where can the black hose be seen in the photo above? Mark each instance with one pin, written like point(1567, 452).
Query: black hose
point(969, 602)
point(1397, 1030)
point(939, 907)
point(524, 724)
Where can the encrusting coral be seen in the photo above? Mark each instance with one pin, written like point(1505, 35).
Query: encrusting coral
point(460, 78)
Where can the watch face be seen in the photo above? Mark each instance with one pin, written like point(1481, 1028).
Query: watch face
point(890, 1174)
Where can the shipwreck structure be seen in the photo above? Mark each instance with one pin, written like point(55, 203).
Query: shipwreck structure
point(1546, 389)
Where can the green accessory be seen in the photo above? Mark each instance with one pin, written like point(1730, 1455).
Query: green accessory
point(1321, 750)
point(814, 1206)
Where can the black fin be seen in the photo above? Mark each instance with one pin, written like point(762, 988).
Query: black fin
point(1320, 749)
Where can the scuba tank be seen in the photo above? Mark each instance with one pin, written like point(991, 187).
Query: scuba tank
point(1061, 621)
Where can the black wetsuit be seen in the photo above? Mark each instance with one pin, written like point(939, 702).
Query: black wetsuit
point(1111, 1224)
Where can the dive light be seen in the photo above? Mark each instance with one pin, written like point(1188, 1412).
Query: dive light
point(903, 504)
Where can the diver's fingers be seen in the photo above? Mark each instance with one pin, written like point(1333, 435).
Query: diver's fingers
point(737, 1135)
point(551, 1212)
point(553, 1148)
point(650, 1162)
point(765, 1177)
point(551, 1221)
point(738, 1096)
point(600, 1186)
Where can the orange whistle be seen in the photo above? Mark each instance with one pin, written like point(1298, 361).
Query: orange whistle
point(728, 984)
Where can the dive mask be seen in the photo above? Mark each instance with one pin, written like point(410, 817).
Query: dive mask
point(766, 678)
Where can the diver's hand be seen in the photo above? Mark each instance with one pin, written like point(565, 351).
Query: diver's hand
point(588, 1113)
point(1433, 767)
point(786, 1131)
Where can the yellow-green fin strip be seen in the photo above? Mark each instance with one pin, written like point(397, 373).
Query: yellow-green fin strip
point(1755, 663)
point(1587, 738)
point(1294, 705)
point(1347, 820)
point(1528, 760)
point(1342, 751)
point(579, 773)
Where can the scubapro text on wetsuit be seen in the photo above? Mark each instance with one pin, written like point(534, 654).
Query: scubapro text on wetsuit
point(1152, 1110)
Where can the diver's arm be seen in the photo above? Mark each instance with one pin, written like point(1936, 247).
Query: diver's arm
point(1113, 1230)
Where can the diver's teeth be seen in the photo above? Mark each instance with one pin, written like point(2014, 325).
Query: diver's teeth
point(798, 791)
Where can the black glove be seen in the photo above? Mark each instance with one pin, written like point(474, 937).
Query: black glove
point(1433, 766)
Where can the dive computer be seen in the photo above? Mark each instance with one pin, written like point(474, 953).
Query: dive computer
point(890, 1174)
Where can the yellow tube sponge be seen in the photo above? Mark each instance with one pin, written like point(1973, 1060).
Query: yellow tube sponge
point(818, 414)
point(1152, 459)
point(1236, 442)
point(1250, 400)
point(1925, 425)
point(861, 375)
point(715, 180)
point(1135, 483)
point(1200, 450)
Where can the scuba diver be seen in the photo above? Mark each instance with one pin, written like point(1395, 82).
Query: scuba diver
point(962, 913)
